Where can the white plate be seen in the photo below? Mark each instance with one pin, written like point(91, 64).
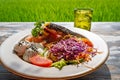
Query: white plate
point(16, 65)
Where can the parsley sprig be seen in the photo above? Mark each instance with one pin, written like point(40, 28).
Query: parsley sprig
point(38, 28)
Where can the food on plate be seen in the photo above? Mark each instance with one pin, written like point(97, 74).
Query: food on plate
point(51, 45)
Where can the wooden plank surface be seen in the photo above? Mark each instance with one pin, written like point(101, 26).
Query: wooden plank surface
point(109, 31)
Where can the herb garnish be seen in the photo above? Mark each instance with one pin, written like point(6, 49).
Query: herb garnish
point(38, 28)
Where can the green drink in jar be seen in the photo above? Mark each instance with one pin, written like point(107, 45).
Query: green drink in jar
point(82, 18)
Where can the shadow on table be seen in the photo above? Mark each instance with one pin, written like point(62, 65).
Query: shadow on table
point(102, 73)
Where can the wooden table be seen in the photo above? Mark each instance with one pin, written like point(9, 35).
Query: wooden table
point(109, 31)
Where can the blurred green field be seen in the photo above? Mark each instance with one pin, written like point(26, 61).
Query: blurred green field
point(57, 10)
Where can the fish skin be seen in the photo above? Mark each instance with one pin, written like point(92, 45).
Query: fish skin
point(63, 29)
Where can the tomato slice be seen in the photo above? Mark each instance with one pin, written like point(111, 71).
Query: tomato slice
point(40, 61)
point(37, 39)
point(29, 38)
point(88, 42)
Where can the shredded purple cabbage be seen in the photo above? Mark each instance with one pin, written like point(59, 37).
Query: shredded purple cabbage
point(68, 49)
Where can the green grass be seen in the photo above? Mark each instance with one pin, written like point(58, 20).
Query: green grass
point(57, 10)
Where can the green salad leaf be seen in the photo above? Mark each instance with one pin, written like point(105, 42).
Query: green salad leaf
point(75, 61)
point(60, 64)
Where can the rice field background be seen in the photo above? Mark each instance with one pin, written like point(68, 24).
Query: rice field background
point(57, 10)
